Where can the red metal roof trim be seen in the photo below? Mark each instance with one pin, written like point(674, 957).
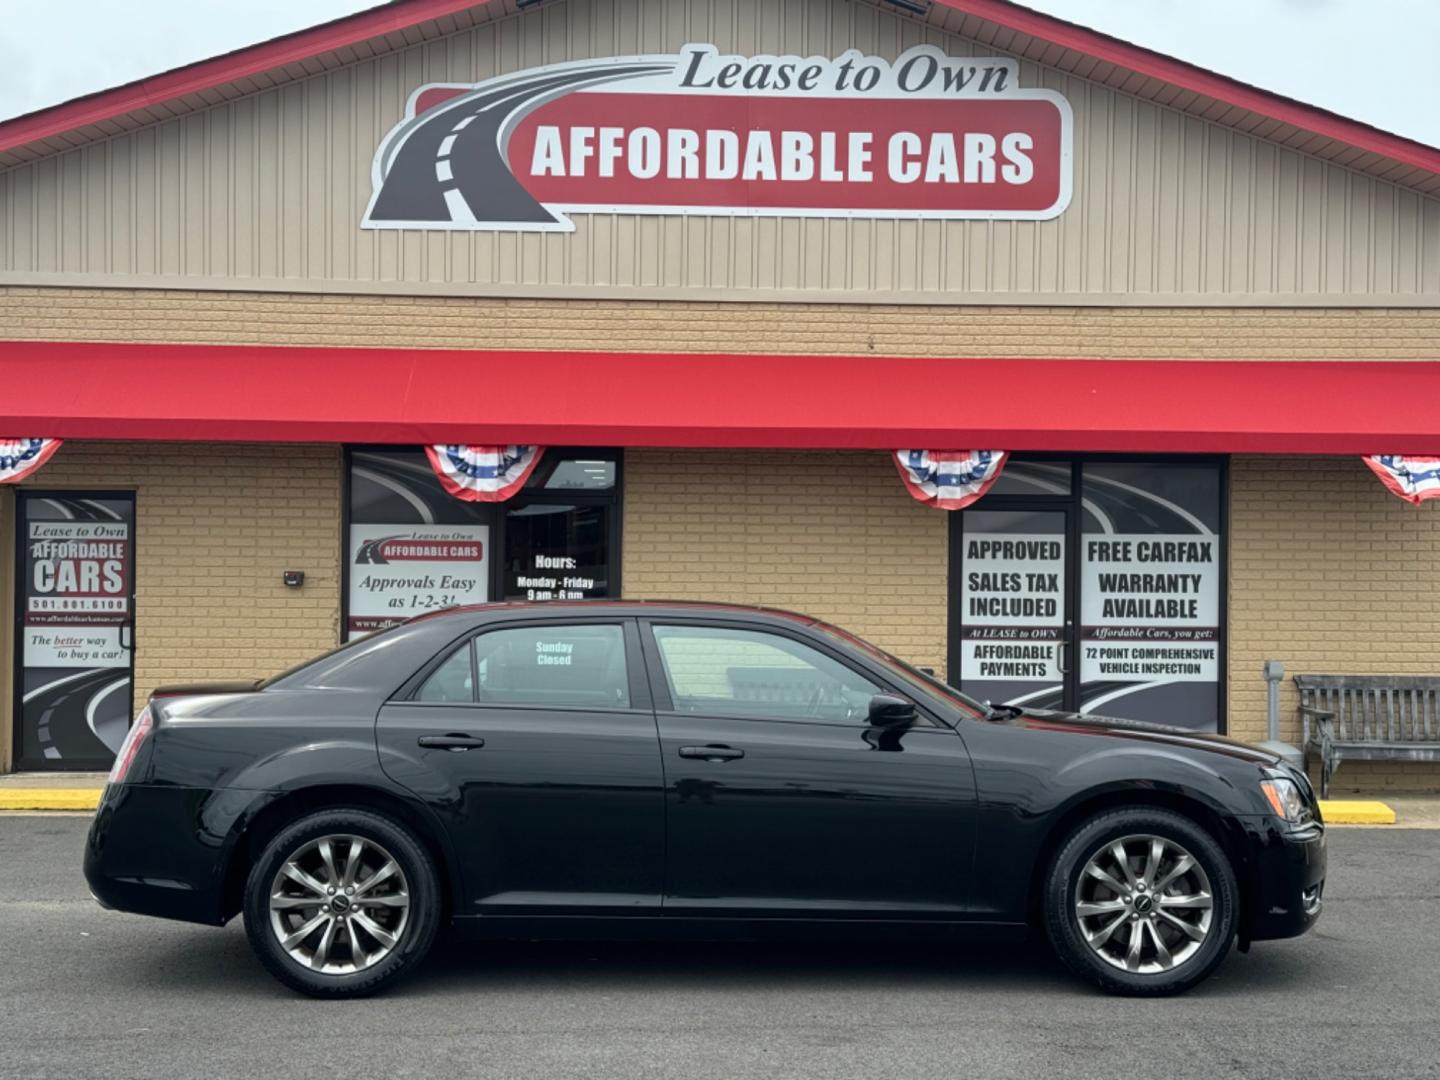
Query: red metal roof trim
point(402, 14)
point(230, 393)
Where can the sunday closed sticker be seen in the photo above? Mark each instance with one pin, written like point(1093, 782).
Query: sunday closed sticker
point(701, 133)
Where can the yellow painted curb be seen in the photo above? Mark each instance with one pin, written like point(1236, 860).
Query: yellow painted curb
point(1354, 812)
point(49, 798)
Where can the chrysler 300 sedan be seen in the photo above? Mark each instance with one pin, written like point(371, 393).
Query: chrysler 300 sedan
point(618, 769)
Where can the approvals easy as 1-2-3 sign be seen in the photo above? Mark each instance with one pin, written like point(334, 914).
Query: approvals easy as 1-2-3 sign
point(925, 136)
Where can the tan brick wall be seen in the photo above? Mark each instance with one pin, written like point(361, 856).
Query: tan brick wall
point(1329, 573)
point(837, 329)
point(829, 534)
point(1328, 570)
point(215, 527)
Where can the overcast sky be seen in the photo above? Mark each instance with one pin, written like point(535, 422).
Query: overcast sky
point(1373, 60)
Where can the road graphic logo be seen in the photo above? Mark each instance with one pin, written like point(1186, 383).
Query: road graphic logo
point(699, 133)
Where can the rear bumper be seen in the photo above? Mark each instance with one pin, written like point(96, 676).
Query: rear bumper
point(1287, 879)
point(162, 851)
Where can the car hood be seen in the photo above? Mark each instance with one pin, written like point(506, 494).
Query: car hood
point(1143, 731)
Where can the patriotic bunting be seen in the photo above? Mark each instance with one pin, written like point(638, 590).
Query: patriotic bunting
point(484, 473)
point(949, 479)
point(21, 457)
point(1414, 479)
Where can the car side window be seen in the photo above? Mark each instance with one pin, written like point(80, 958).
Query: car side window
point(451, 681)
point(718, 669)
point(580, 666)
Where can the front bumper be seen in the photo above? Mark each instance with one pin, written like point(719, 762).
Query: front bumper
point(1286, 879)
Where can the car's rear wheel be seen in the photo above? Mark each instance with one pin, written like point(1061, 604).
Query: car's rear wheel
point(342, 903)
point(1141, 901)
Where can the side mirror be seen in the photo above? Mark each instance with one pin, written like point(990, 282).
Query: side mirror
point(888, 711)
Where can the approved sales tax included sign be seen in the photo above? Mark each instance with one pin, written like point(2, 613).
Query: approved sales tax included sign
point(698, 133)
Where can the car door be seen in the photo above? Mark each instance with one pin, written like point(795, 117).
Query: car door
point(782, 800)
point(536, 743)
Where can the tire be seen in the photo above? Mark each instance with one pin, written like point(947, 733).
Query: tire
point(1110, 963)
point(399, 904)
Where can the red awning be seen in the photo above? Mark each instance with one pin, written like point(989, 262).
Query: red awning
point(287, 394)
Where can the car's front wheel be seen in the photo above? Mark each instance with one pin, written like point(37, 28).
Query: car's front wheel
point(1141, 901)
point(341, 903)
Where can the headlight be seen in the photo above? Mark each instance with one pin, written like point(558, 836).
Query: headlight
point(1285, 798)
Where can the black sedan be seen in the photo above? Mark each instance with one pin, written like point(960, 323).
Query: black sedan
point(618, 769)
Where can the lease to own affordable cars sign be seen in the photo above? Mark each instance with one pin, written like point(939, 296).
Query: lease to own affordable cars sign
point(400, 571)
point(699, 133)
point(77, 594)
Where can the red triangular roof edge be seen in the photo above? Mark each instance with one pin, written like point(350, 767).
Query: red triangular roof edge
point(402, 14)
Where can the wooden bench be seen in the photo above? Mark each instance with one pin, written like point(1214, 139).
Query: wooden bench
point(1368, 718)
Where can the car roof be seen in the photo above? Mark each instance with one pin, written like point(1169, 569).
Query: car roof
point(620, 607)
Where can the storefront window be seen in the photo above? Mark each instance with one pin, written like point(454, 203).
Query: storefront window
point(562, 532)
point(1013, 606)
point(582, 474)
point(1094, 586)
point(1150, 565)
point(1026, 477)
point(557, 552)
point(411, 547)
point(76, 601)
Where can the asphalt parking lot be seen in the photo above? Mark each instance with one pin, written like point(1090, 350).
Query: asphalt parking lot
point(92, 993)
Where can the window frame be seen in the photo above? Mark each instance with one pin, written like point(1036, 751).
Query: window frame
point(468, 644)
point(638, 685)
point(664, 703)
point(496, 516)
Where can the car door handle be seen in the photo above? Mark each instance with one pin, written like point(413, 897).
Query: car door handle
point(453, 742)
point(711, 753)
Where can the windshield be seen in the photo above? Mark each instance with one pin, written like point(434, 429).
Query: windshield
point(906, 672)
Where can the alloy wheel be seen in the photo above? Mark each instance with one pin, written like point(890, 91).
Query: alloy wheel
point(1144, 904)
point(339, 904)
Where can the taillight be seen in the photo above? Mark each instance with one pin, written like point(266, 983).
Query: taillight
point(131, 746)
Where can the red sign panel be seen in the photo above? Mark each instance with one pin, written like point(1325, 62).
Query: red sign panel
point(405, 549)
point(925, 136)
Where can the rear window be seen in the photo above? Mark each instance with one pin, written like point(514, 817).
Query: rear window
point(321, 670)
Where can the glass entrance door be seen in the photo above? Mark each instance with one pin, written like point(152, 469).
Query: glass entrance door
point(1094, 586)
point(1151, 567)
point(1015, 625)
point(75, 612)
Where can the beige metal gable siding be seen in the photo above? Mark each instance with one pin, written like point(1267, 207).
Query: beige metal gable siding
point(267, 192)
